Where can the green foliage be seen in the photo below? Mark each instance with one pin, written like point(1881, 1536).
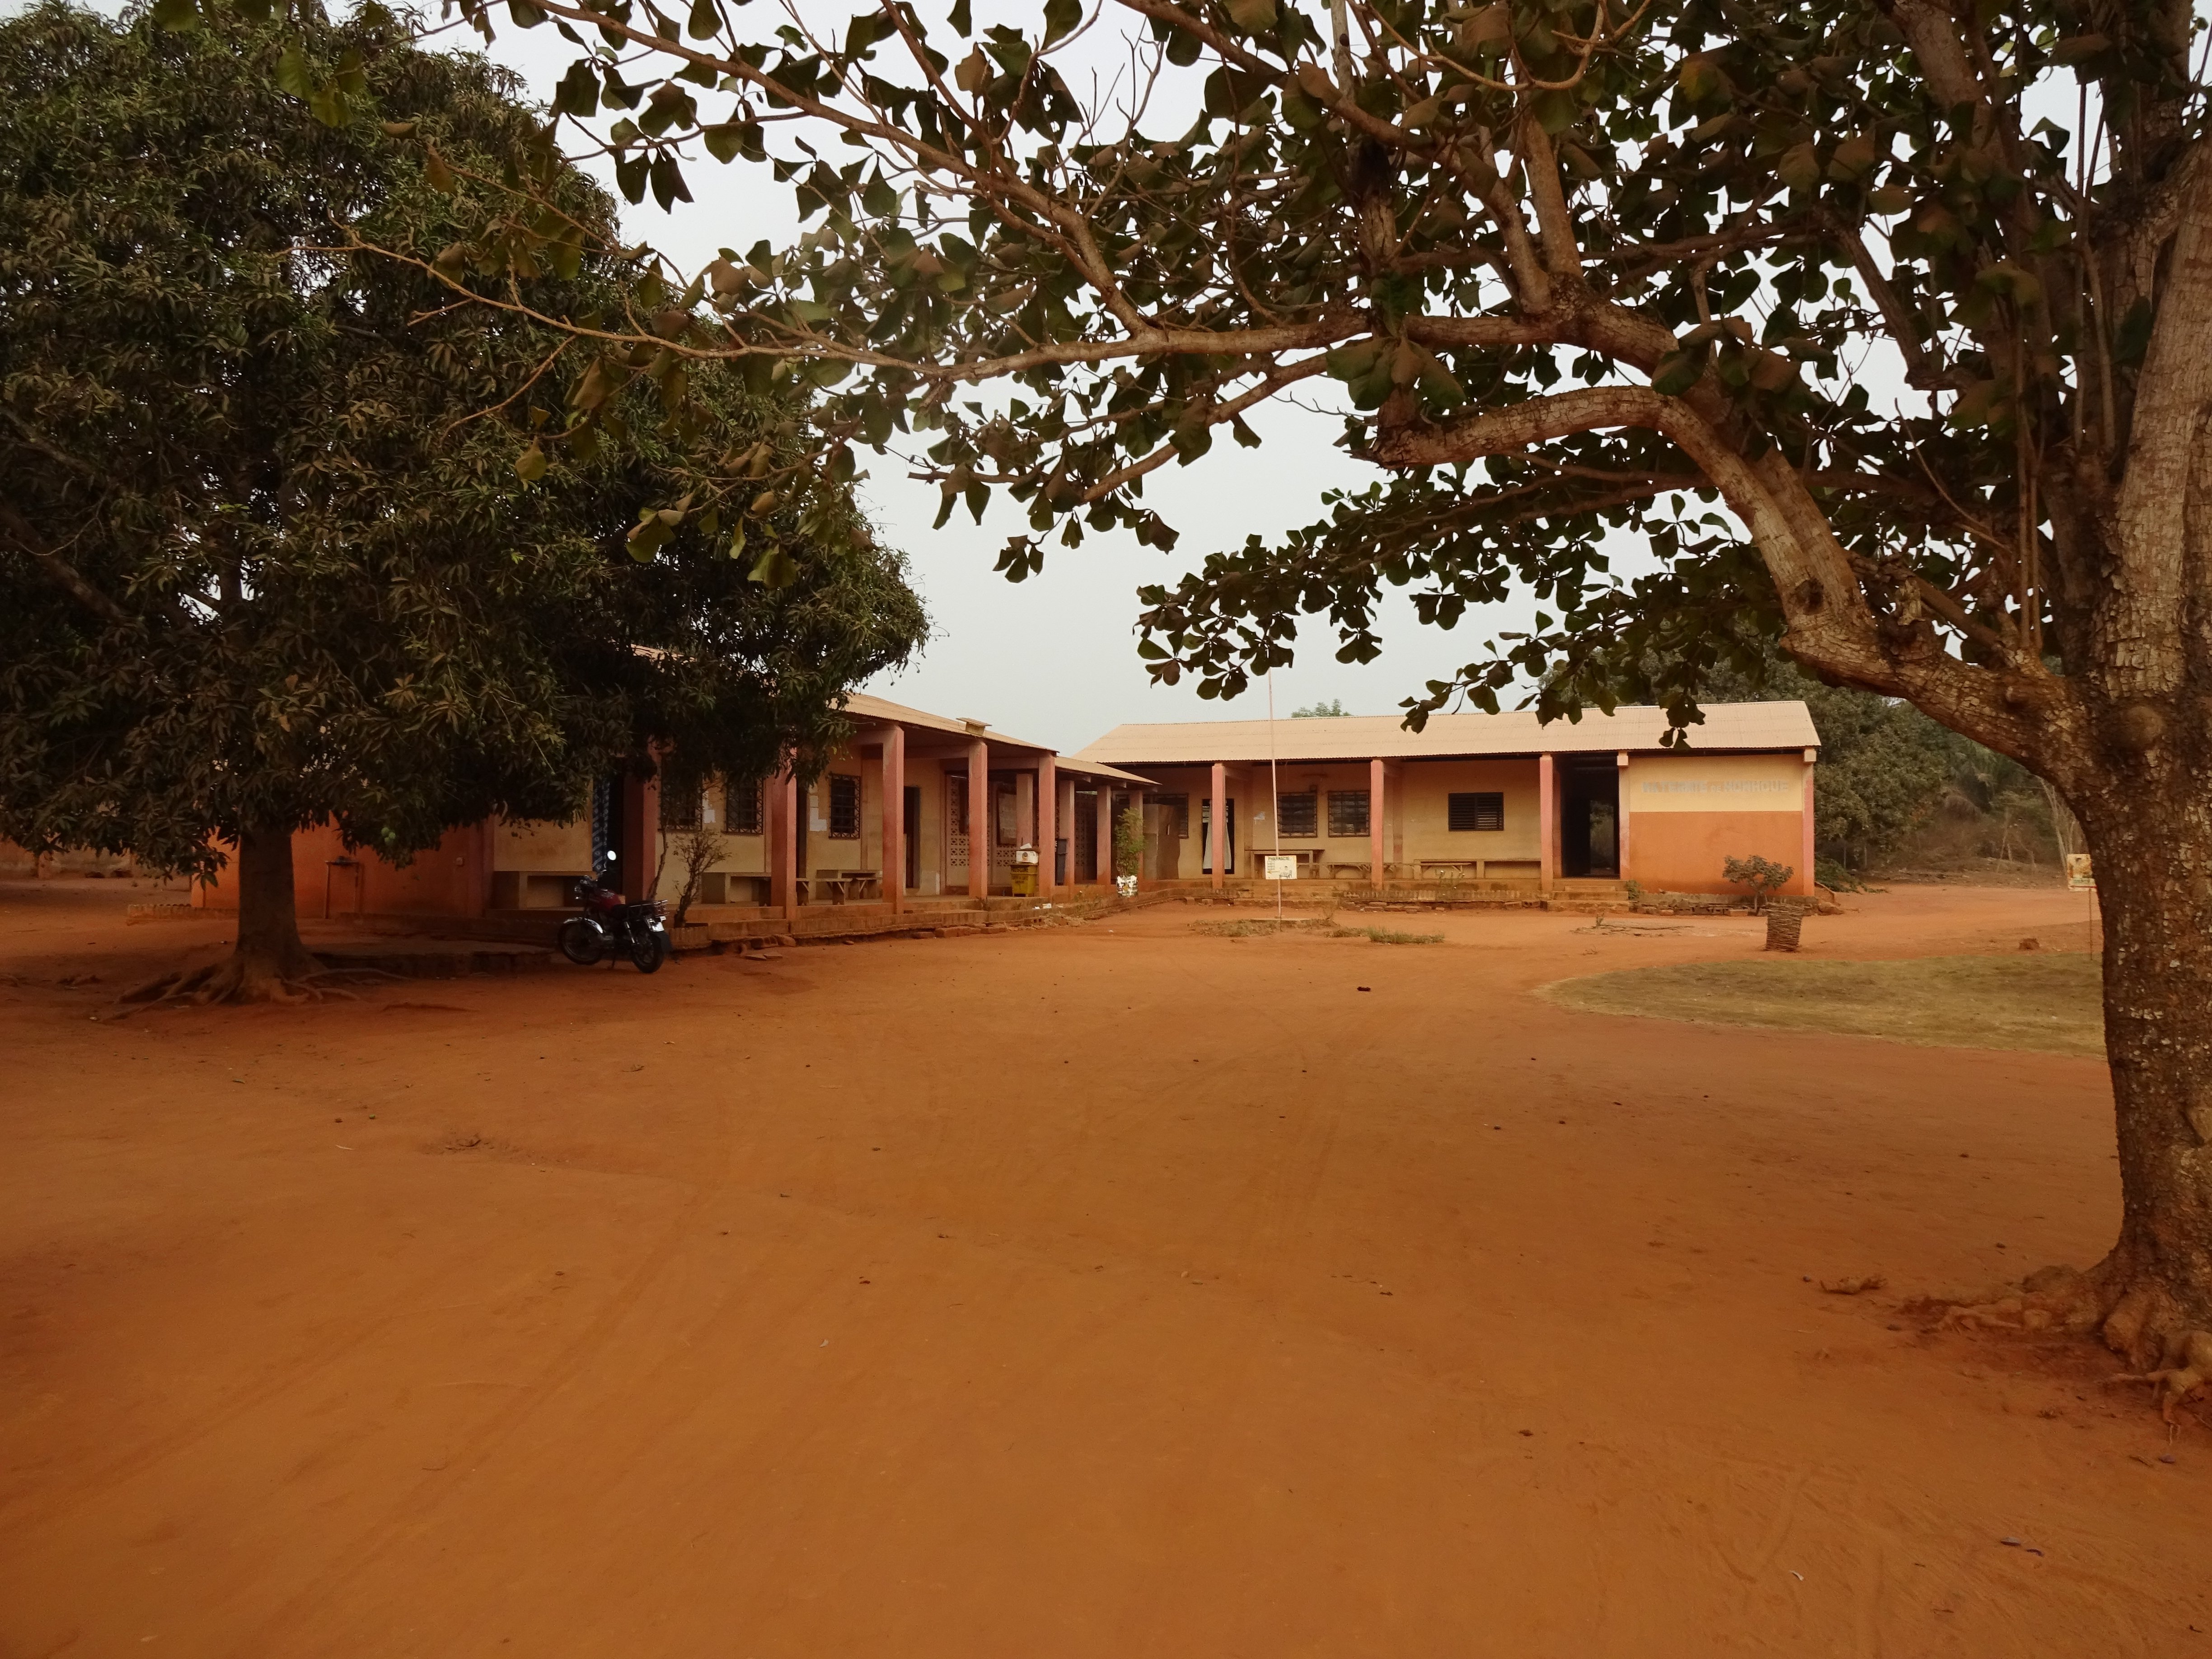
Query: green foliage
point(1760, 873)
point(1885, 766)
point(1837, 877)
point(1485, 225)
point(269, 554)
point(1128, 842)
point(1332, 709)
point(1992, 807)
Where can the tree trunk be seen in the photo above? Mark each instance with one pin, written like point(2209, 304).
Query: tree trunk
point(270, 953)
point(2152, 840)
point(270, 962)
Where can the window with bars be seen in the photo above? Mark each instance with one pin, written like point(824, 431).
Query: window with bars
point(679, 807)
point(844, 807)
point(1482, 810)
point(1300, 816)
point(742, 804)
point(1347, 813)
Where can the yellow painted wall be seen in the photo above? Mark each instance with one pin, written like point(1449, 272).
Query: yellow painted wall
point(1255, 828)
point(1421, 788)
point(1688, 815)
point(563, 848)
point(1715, 783)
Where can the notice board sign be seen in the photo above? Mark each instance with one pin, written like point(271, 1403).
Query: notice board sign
point(1284, 868)
point(2078, 874)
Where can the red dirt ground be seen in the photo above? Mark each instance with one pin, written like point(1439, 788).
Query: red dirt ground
point(1108, 1291)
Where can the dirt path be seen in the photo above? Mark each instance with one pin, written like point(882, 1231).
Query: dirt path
point(1104, 1291)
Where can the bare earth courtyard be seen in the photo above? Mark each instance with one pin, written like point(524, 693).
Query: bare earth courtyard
point(1105, 1291)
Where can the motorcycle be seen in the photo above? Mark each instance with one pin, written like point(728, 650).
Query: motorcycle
point(612, 923)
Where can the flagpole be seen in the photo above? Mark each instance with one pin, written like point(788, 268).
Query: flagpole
point(1274, 790)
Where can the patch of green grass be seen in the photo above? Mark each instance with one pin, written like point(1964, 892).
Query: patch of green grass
point(2050, 1001)
point(1317, 926)
point(1384, 936)
point(1256, 927)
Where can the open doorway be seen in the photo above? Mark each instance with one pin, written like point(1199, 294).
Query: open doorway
point(1205, 837)
point(1590, 818)
point(1086, 834)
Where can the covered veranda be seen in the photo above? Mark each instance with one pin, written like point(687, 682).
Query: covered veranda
point(919, 812)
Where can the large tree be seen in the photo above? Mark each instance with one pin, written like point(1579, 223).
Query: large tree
point(1920, 294)
point(269, 554)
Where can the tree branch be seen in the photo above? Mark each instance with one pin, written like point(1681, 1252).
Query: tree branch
point(58, 569)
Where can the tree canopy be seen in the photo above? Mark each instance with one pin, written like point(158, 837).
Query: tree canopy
point(1576, 271)
point(270, 555)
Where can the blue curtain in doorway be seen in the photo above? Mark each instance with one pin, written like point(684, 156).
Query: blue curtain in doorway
point(603, 816)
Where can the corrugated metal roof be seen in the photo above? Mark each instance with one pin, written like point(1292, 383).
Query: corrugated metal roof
point(876, 711)
point(1731, 727)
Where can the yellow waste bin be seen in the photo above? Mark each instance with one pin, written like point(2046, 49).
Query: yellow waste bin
point(1025, 872)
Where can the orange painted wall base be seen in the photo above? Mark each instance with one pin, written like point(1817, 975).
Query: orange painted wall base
point(452, 879)
point(1685, 852)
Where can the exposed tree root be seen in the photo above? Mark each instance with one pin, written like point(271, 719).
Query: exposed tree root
point(2056, 1298)
point(236, 980)
point(2185, 1366)
point(2142, 1321)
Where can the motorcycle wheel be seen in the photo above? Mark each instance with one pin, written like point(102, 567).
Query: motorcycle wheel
point(649, 949)
point(583, 941)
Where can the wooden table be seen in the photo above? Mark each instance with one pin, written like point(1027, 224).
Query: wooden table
point(840, 884)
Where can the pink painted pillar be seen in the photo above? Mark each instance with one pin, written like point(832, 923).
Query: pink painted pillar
point(1066, 821)
point(1048, 808)
point(893, 788)
point(783, 845)
point(1805, 885)
point(1217, 832)
point(1548, 824)
point(487, 861)
point(1374, 820)
point(1105, 833)
point(979, 819)
point(1620, 817)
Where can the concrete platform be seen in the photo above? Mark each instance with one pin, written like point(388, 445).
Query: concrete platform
point(439, 959)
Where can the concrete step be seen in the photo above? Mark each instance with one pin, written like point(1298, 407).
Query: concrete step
point(438, 958)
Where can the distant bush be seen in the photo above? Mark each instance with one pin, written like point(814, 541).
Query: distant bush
point(1837, 878)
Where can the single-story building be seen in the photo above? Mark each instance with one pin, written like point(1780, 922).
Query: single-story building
point(1496, 797)
point(895, 820)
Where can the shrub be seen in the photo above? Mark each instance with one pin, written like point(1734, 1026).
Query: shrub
point(1128, 842)
point(1836, 877)
point(1762, 875)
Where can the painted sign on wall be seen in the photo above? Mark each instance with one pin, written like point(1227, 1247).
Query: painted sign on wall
point(1715, 783)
